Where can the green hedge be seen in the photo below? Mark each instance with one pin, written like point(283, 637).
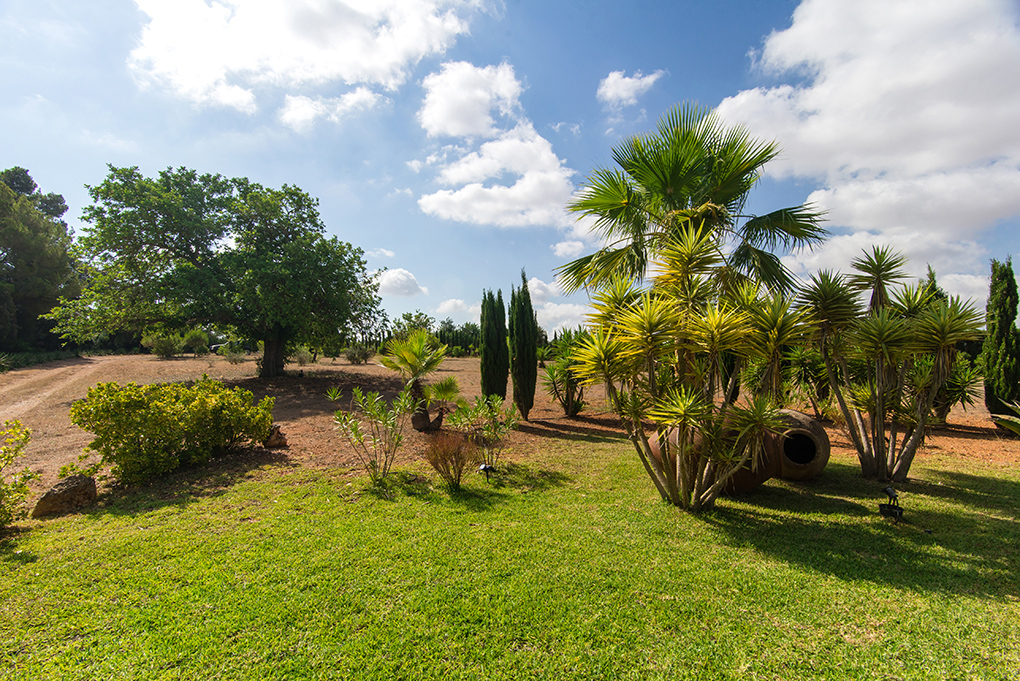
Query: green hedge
point(146, 431)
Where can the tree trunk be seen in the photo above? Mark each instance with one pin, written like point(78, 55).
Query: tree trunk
point(273, 357)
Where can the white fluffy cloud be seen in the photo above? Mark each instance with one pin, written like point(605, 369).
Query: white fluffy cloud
point(557, 316)
point(906, 112)
point(459, 310)
point(220, 52)
point(541, 292)
point(568, 249)
point(513, 178)
point(400, 282)
point(618, 90)
point(380, 253)
point(300, 113)
point(460, 99)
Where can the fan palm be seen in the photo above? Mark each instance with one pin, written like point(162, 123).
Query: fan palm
point(414, 358)
point(692, 175)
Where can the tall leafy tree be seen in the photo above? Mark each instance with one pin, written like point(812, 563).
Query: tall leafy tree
point(692, 175)
point(183, 248)
point(523, 347)
point(1001, 350)
point(495, 360)
point(36, 269)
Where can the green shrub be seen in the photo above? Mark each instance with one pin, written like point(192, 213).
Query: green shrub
point(358, 354)
point(487, 424)
point(196, 339)
point(163, 345)
point(377, 440)
point(451, 454)
point(303, 356)
point(147, 431)
point(13, 440)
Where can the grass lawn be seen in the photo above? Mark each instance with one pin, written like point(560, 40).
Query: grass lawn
point(564, 567)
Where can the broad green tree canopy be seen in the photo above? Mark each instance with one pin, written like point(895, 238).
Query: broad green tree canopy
point(183, 248)
point(36, 268)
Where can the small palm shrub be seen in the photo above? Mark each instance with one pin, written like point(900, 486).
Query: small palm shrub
point(13, 440)
point(450, 454)
point(147, 431)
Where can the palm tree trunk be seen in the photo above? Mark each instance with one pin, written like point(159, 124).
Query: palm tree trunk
point(854, 425)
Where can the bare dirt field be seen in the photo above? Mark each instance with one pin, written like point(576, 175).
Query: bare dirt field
point(41, 397)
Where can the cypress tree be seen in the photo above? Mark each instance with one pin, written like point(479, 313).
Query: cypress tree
point(523, 348)
point(495, 354)
point(1001, 350)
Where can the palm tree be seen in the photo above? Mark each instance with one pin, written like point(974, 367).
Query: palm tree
point(691, 176)
point(414, 358)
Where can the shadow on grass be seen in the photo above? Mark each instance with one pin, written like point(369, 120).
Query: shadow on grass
point(578, 428)
point(480, 494)
point(9, 551)
point(184, 487)
point(832, 525)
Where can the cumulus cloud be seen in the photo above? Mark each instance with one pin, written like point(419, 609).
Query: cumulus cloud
point(568, 249)
point(554, 317)
point(513, 178)
point(400, 282)
point(220, 52)
point(618, 90)
point(460, 99)
point(380, 253)
point(541, 292)
point(300, 113)
point(902, 112)
point(459, 310)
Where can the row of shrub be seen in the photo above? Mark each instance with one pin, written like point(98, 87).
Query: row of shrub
point(145, 431)
point(19, 360)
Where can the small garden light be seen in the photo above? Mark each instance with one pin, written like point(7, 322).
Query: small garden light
point(892, 509)
point(486, 468)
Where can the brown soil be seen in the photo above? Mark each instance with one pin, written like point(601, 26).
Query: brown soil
point(41, 398)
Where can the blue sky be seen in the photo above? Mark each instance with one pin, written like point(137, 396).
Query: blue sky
point(444, 137)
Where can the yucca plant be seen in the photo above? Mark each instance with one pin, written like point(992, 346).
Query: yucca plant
point(905, 345)
point(661, 355)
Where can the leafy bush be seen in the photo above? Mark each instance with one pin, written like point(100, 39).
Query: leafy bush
point(377, 447)
point(194, 340)
point(451, 454)
point(163, 345)
point(487, 424)
point(303, 356)
point(13, 440)
point(150, 430)
point(358, 354)
point(232, 352)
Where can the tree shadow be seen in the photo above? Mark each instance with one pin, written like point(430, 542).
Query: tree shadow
point(184, 487)
point(9, 551)
point(833, 526)
point(578, 429)
point(300, 396)
point(505, 480)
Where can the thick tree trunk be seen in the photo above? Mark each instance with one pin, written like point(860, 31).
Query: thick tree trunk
point(273, 357)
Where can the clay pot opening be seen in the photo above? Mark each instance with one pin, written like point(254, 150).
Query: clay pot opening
point(800, 448)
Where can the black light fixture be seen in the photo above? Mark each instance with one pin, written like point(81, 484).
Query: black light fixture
point(892, 509)
point(486, 468)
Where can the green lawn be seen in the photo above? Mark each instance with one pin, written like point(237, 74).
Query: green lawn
point(567, 567)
